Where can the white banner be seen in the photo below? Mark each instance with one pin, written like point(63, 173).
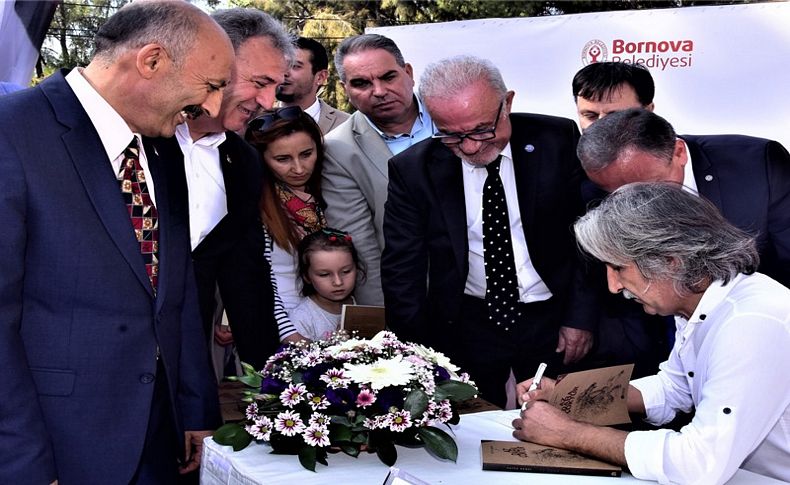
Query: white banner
point(723, 69)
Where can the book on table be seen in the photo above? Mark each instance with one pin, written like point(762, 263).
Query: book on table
point(520, 456)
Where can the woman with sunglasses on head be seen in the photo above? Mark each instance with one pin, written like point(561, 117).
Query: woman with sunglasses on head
point(292, 151)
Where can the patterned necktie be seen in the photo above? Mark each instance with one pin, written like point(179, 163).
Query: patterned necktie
point(502, 293)
point(142, 212)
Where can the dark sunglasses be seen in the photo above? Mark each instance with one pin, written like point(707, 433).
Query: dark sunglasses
point(265, 121)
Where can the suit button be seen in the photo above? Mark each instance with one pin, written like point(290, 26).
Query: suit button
point(147, 378)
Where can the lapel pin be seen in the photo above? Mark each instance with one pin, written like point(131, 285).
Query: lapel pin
point(227, 158)
point(708, 178)
point(529, 148)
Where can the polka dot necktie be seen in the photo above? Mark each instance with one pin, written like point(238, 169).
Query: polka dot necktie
point(501, 281)
point(142, 212)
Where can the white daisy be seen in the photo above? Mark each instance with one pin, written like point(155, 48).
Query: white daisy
point(381, 373)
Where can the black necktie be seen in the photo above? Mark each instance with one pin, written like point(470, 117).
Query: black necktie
point(501, 281)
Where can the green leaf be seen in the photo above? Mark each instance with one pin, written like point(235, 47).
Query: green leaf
point(307, 457)
point(233, 434)
point(340, 420)
point(338, 432)
point(439, 443)
point(251, 380)
point(248, 369)
point(455, 391)
point(350, 450)
point(386, 452)
point(416, 403)
point(320, 456)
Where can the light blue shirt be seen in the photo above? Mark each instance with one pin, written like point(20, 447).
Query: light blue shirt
point(422, 129)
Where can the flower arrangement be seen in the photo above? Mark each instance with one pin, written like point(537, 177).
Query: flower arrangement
point(351, 394)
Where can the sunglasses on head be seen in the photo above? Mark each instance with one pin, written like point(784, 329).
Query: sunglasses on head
point(265, 121)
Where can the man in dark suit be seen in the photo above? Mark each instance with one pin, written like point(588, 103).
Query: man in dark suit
point(440, 285)
point(219, 177)
point(747, 178)
point(104, 365)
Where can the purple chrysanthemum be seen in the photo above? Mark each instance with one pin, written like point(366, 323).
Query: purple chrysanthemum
point(289, 423)
point(317, 401)
point(399, 421)
point(365, 398)
point(293, 395)
point(316, 436)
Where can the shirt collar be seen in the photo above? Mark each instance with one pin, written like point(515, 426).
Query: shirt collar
point(419, 123)
point(114, 132)
point(689, 182)
point(314, 110)
point(713, 296)
point(210, 140)
point(506, 154)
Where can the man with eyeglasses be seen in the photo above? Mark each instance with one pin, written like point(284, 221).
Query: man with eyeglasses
point(390, 119)
point(456, 252)
point(219, 185)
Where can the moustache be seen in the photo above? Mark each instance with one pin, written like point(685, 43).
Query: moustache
point(193, 111)
point(628, 295)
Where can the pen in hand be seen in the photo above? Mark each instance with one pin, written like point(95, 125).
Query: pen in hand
point(535, 382)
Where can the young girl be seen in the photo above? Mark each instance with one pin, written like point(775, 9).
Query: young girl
point(328, 266)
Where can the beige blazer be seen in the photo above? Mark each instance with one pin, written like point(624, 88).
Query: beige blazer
point(329, 117)
point(355, 189)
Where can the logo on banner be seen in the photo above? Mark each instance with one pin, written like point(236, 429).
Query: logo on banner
point(594, 51)
point(659, 54)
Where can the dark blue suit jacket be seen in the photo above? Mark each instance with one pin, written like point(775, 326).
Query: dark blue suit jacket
point(426, 235)
point(748, 179)
point(79, 324)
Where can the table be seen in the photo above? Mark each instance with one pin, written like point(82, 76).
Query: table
point(255, 465)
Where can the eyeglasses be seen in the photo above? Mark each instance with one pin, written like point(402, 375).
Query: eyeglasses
point(265, 121)
point(479, 135)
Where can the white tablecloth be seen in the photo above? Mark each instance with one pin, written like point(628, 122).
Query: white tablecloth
point(255, 465)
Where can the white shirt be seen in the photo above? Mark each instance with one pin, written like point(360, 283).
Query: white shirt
point(114, 132)
point(530, 286)
point(689, 182)
point(314, 110)
point(731, 362)
point(208, 203)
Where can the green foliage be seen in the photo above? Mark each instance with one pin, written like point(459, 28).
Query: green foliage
point(69, 41)
point(416, 403)
point(233, 434)
point(439, 443)
point(307, 457)
point(454, 391)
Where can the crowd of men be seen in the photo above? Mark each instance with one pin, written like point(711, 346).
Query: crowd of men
point(130, 214)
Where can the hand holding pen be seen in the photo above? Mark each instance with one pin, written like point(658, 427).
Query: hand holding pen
point(522, 390)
